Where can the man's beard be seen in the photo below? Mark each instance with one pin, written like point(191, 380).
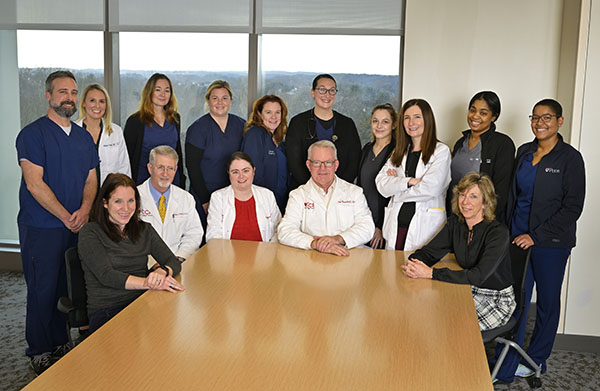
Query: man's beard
point(63, 110)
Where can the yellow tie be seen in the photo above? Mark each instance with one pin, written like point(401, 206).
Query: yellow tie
point(162, 209)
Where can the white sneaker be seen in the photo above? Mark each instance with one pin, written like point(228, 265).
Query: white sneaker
point(524, 371)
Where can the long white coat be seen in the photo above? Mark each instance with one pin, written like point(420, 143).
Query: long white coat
point(307, 215)
point(182, 230)
point(112, 152)
point(429, 196)
point(221, 213)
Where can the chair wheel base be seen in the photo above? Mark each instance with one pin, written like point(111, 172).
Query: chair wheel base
point(534, 382)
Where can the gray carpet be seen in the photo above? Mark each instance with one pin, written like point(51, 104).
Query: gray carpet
point(566, 370)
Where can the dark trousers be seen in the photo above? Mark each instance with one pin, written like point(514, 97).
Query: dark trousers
point(43, 258)
point(98, 318)
point(547, 270)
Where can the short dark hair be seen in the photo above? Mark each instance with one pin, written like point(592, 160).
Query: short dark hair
point(239, 156)
point(491, 99)
point(58, 75)
point(322, 76)
point(554, 106)
point(99, 213)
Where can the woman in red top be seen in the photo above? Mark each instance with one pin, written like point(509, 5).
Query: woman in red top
point(242, 211)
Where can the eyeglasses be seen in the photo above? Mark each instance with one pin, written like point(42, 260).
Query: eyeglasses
point(318, 163)
point(322, 90)
point(167, 168)
point(546, 117)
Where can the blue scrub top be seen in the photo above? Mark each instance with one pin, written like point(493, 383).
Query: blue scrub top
point(218, 146)
point(153, 137)
point(66, 160)
point(525, 179)
point(322, 133)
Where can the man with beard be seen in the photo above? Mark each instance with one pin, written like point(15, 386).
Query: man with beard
point(58, 161)
point(170, 209)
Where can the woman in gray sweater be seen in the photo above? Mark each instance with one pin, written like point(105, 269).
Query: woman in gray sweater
point(114, 250)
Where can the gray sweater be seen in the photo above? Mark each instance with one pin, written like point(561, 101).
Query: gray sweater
point(107, 264)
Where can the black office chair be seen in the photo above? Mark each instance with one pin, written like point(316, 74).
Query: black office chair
point(75, 306)
point(506, 334)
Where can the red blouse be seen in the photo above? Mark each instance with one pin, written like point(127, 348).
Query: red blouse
point(245, 226)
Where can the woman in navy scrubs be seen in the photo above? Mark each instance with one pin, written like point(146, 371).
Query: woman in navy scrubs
point(209, 143)
point(263, 141)
point(156, 123)
point(384, 125)
point(544, 202)
point(483, 149)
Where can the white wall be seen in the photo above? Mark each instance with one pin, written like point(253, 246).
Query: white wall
point(454, 49)
point(9, 128)
point(583, 296)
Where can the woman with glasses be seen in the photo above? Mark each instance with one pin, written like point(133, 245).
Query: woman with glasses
point(156, 123)
point(209, 143)
point(416, 178)
point(384, 124)
point(242, 211)
point(263, 142)
point(322, 123)
point(483, 149)
point(544, 203)
point(95, 117)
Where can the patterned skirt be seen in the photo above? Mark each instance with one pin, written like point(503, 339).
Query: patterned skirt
point(494, 308)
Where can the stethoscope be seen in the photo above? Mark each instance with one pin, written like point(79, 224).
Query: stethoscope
point(312, 124)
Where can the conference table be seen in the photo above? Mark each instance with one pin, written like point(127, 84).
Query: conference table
point(264, 316)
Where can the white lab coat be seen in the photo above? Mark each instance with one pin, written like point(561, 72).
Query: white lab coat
point(308, 215)
point(221, 213)
point(182, 230)
point(112, 152)
point(429, 196)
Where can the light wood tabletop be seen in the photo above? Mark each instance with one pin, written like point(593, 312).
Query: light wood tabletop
point(263, 316)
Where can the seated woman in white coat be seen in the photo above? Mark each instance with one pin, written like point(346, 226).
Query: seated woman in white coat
point(242, 210)
point(95, 117)
point(416, 178)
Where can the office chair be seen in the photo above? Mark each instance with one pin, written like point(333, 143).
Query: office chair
point(506, 334)
point(75, 305)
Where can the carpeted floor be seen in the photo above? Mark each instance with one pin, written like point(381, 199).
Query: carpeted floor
point(566, 370)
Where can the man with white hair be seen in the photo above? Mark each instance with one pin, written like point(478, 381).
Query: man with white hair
point(170, 209)
point(326, 214)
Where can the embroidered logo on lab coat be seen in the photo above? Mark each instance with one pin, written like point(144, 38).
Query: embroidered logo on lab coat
point(145, 212)
point(309, 205)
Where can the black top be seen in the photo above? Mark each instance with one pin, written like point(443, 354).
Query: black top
point(368, 171)
point(497, 158)
point(485, 261)
point(134, 139)
point(407, 210)
point(558, 195)
point(302, 133)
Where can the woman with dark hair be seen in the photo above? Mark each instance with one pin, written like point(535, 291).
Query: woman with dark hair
point(483, 149)
point(264, 143)
point(242, 211)
point(114, 249)
point(480, 244)
point(416, 177)
point(384, 125)
point(322, 123)
point(157, 122)
point(96, 117)
point(209, 142)
point(544, 203)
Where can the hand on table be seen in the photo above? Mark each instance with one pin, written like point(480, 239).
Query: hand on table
point(377, 240)
point(417, 269)
point(330, 244)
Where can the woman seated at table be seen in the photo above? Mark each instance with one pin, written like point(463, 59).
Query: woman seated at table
point(157, 122)
point(480, 245)
point(263, 142)
point(114, 249)
point(95, 117)
point(242, 210)
point(416, 178)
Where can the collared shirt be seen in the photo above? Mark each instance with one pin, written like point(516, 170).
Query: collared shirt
point(156, 194)
point(325, 196)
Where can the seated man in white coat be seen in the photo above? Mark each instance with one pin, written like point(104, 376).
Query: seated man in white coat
point(170, 209)
point(326, 214)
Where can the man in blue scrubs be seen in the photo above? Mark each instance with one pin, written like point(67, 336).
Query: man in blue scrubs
point(58, 185)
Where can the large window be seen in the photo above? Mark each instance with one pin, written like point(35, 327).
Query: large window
point(192, 61)
point(365, 67)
